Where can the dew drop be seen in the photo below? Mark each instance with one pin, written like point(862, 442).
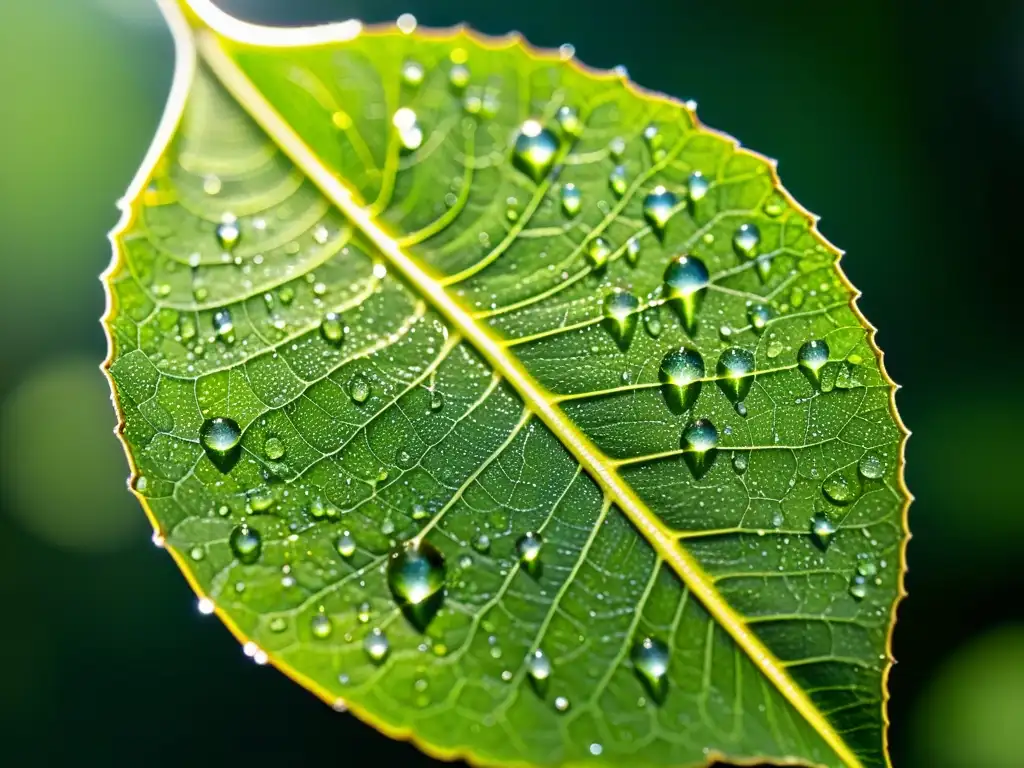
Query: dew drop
point(652, 321)
point(332, 329)
point(562, 704)
point(871, 466)
point(745, 240)
point(654, 140)
point(228, 233)
point(458, 76)
point(321, 627)
point(482, 543)
point(419, 512)
point(696, 187)
point(221, 439)
point(839, 490)
point(569, 121)
point(617, 181)
point(412, 74)
point(740, 462)
point(811, 358)
point(436, 400)
point(538, 667)
point(633, 250)
point(346, 545)
point(416, 576)
point(659, 205)
point(529, 546)
point(409, 132)
point(681, 373)
point(620, 315)
point(273, 448)
point(735, 373)
point(858, 587)
point(700, 445)
point(224, 326)
point(758, 315)
point(598, 252)
point(686, 282)
point(535, 150)
point(822, 529)
point(363, 612)
point(572, 200)
point(617, 148)
point(359, 388)
point(376, 645)
point(246, 543)
point(650, 660)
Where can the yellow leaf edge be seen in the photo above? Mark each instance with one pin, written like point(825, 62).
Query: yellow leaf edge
point(182, 16)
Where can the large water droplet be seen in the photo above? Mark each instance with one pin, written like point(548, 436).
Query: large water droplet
point(871, 466)
point(376, 645)
point(228, 233)
point(482, 543)
point(700, 445)
point(529, 546)
point(759, 316)
point(620, 315)
point(416, 575)
point(538, 666)
point(745, 240)
point(274, 448)
point(822, 529)
point(569, 121)
point(221, 439)
point(535, 150)
point(572, 199)
point(332, 329)
point(681, 373)
point(659, 206)
point(839, 490)
point(686, 282)
point(858, 587)
point(650, 660)
point(811, 358)
point(598, 252)
point(321, 627)
point(696, 187)
point(359, 388)
point(735, 373)
point(246, 543)
point(346, 545)
point(617, 181)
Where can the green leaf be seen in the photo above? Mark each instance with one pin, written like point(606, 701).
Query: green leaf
point(505, 405)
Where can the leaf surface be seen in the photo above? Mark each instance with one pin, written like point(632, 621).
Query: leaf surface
point(559, 437)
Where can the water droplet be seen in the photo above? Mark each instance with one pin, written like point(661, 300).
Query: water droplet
point(332, 329)
point(321, 627)
point(224, 326)
point(346, 545)
point(569, 121)
point(681, 373)
point(871, 466)
point(363, 612)
point(412, 73)
point(686, 282)
point(221, 439)
point(529, 546)
point(654, 141)
point(745, 240)
point(273, 448)
point(458, 76)
point(416, 576)
point(659, 206)
point(739, 462)
point(538, 667)
point(839, 490)
point(376, 645)
point(735, 373)
point(482, 543)
point(822, 529)
point(620, 310)
point(359, 388)
point(406, 23)
point(409, 132)
point(696, 187)
point(228, 233)
point(812, 357)
point(858, 587)
point(278, 624)
point(758, 315)
point(700, 444)
point(562, 704)
point(197, 553)
point(246, 543)
point(617, 148)
point(535, 150)
point(598, 252)
point(596, 749)
point(633, 250)
point(617, 180)
point(212, 185)
point(419, 512)
point(572, 200)
point(436, 400)
point(650, 660)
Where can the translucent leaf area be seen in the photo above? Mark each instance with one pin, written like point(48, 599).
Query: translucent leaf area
point(505, 405)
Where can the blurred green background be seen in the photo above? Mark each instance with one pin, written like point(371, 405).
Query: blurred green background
point(901, 124)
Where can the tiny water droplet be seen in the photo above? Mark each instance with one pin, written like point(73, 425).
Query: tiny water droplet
point(739, 462)
point(620, 315)
point(562, 704)
point(686, 282)
point(228, 233)
point(735, 373)
point(871, 466)
point(569, 121)
point(278, 624)
point(197, 553)
point(529, 546)
point(535, 150)
point(376, 645)
point(812, 357)
point(332, 329)
point(650, 660)
point(412, 73)
point(419, 512)
point(839, 490)
point(617, 181)
point(321, 627)
point(681, 373)
point(572, 199)
point(598, 252)
point(652, 321)
point(822, 529)
point(246, 543)
point(700, 445)
point(617, 148)
point(273, 448)
point(696, 187)
point(363, 612)
point(224, 326)
point(359, 388)
point(346, 545)
point(659, 206)
point(416, 576)
point(436, 400)
point(482, 543)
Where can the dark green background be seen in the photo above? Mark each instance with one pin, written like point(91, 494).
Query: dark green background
point(900, 123)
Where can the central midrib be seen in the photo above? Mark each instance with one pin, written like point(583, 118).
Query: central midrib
point(591, 458)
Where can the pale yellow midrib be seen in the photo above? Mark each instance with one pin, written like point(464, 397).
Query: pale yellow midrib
point(536, 398)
